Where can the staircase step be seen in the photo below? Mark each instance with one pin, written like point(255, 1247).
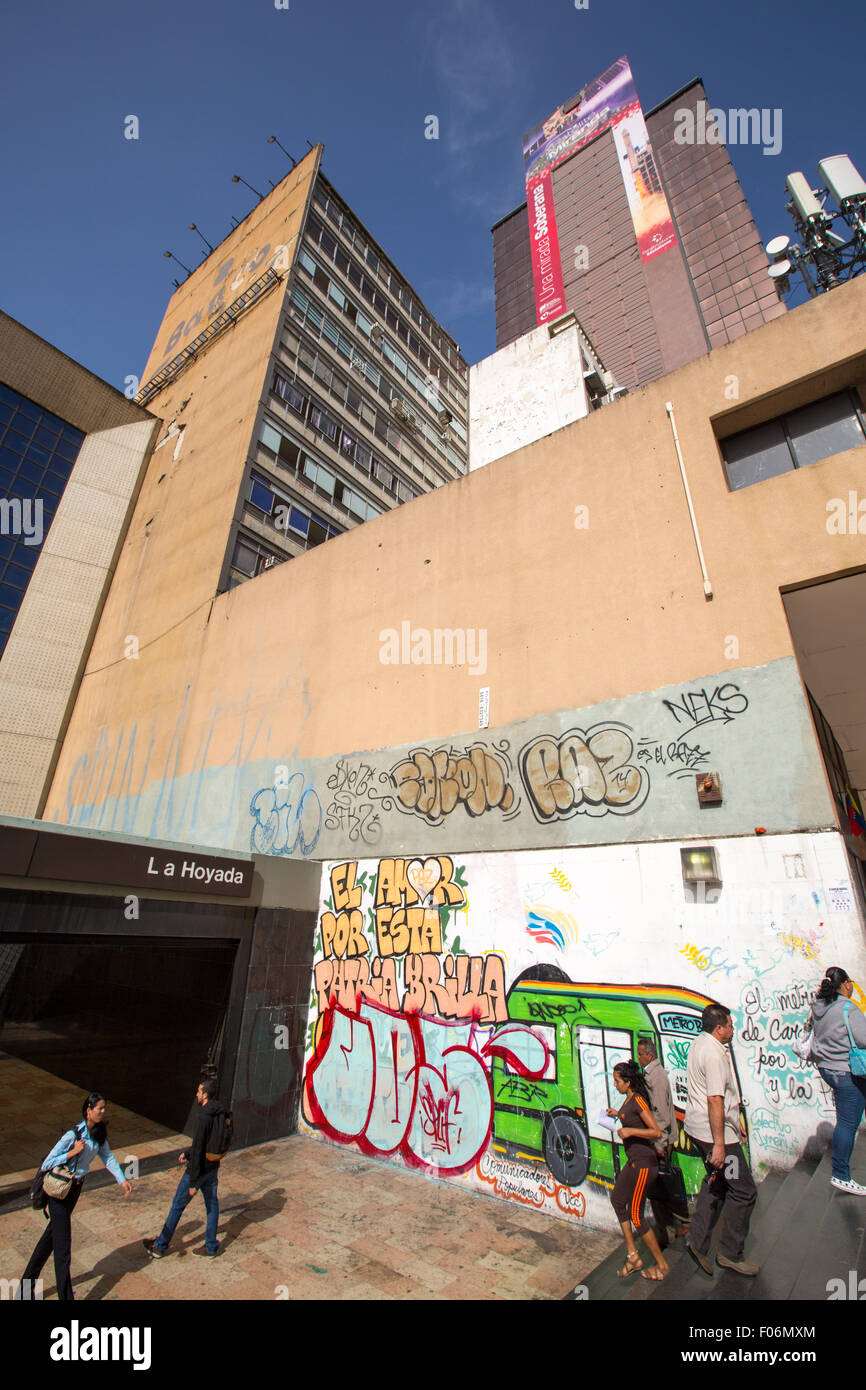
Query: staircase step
point(785, 1247)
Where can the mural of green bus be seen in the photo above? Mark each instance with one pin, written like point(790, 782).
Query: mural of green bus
point(588, 1028)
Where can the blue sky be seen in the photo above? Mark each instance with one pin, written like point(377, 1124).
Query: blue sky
point(88, 214)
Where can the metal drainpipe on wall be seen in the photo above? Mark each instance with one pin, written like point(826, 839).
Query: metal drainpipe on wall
point(708, 588)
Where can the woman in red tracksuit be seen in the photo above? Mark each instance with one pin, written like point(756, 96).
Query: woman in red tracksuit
point(638, 1133)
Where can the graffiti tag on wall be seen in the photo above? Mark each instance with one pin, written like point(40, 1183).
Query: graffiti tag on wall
point(773, 1020)
point(432, 784)
point(583, 773)
point(402, 1083)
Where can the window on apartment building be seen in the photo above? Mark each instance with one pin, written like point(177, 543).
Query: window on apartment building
point(260, 495)
point(290, 393)
point(323, 423)
point(794, 440)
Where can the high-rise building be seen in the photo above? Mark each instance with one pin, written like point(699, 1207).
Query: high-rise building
point(636, 224)
point(354, 398)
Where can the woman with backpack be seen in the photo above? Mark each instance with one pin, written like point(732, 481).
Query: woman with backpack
point(74, 1153)
point(838, 1027)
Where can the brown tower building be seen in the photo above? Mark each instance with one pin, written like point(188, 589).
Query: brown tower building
point(647, 311)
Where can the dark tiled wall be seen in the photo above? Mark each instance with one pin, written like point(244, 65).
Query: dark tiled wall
point(134, 1019)
point(724, 252)
point(268, 1079)
point(512, 278)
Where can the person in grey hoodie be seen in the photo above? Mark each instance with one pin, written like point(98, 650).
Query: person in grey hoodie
point(831, 1048)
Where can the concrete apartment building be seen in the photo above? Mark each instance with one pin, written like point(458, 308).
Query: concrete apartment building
point(576, 741)
point(646, 313)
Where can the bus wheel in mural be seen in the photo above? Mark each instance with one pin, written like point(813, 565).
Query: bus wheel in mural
point(566, 1149)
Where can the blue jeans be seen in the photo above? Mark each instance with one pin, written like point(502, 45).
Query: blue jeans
point(849, 1096)
point(207, 1185)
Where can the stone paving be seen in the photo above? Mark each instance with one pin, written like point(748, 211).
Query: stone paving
point(304, 1219)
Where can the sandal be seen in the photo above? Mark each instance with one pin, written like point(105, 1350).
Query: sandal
point(655, 1274)
point(631, 1266)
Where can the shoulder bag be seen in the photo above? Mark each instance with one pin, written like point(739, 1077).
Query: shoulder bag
point(57, 1183)
point(857, 1060)
point(803, 1046)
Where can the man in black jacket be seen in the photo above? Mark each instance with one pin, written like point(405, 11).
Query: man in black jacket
point(202, 1171)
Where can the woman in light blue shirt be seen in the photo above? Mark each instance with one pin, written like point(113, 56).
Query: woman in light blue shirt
point(76, 1149)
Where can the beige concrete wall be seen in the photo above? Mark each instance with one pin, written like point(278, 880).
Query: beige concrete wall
point(574, 615)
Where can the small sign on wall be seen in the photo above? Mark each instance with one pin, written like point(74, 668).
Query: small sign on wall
point(839, 897)
point(484, 707)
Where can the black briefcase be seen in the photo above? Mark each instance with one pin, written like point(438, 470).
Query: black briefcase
point(670, 1188)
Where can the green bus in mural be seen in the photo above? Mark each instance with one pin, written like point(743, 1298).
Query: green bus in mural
point(588, 1028)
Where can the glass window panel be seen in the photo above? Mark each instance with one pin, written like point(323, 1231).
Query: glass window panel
point(37, 454)
point(7, 545)
point(307, 262)
point(245, 558)
point(325, 480)
point(16, 574)
point(328, 243)
point(270, 437)
point(26, 556)
point(309, 470)
point(45, 435)
point(68, 450)
point(9, 597)
point(372, 259)
point(261, 496)
point(755, 455)
point(16, 441)
point(825, 428)
point(10, 397)
point(335, 293)
point(341, 260)
point(316, 534)
point(355, 275)
point(6, 621)
point(289, 453)
point(33, 472)
point(29, 410)
point(7, 480)
point(6, 412)
point(298, 521)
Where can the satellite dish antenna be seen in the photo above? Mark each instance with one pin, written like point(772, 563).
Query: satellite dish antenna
point(780, 268)
point(778, 246)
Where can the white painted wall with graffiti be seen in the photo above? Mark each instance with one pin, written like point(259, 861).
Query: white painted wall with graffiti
point(466, 1011)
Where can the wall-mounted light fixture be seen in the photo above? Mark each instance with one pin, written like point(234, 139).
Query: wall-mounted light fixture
point(700, 865)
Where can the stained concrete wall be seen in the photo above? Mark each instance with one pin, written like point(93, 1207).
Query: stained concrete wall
point(575, 558)
point(617, 772)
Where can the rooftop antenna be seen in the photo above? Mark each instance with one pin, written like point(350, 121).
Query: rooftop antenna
point(824, 258)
